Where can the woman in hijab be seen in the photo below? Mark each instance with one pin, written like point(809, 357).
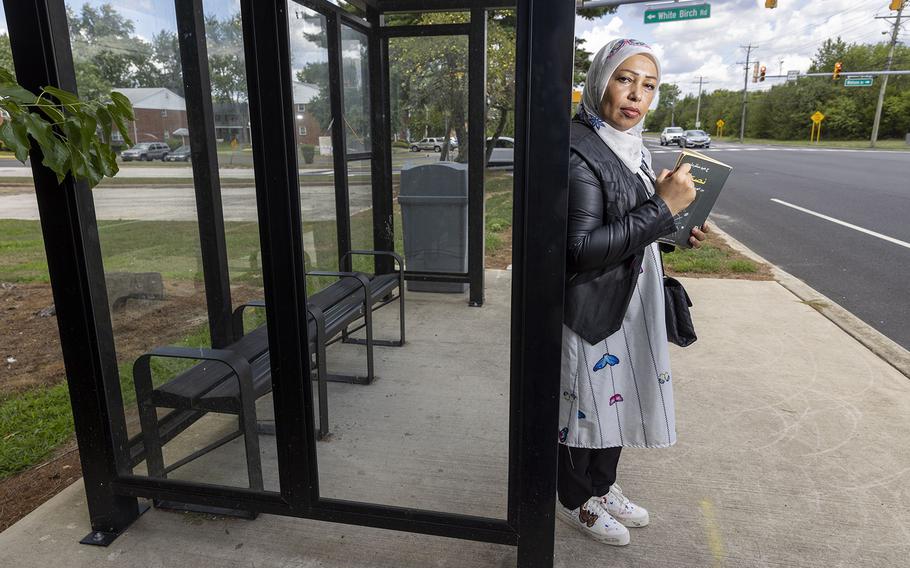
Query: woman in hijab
point(616, 383)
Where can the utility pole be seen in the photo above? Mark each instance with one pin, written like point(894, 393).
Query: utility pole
point(742, 125)
point(701, 81)
point(881, 93)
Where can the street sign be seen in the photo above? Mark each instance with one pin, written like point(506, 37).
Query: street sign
point(858, 82)
point(817, 117)
point(697, 124)
point(576, 96)
point(792, 75)
point(721, 123)
point(677, 13)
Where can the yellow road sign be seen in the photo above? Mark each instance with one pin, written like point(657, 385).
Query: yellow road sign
point(817, 117)
point(576, 97)
point(721, 123)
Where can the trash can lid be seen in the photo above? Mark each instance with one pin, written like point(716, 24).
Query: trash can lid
point(438, 179)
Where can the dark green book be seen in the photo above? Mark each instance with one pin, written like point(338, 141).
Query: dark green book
point(710, 177)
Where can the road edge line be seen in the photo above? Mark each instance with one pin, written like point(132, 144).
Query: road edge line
point(876, 342)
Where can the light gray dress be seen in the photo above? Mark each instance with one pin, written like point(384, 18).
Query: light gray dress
point(619, 392)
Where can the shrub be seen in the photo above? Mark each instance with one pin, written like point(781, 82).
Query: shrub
point(308, 151)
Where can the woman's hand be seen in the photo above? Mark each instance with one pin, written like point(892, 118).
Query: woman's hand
point(676, 188)
point(699, 235)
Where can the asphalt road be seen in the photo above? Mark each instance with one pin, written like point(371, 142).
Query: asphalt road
point(867, 274)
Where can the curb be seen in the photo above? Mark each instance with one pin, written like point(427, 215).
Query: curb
point(872, 339)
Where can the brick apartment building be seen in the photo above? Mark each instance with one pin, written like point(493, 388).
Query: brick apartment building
point(158, 111)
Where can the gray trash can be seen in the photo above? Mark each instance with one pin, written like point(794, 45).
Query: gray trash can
point(434, 218)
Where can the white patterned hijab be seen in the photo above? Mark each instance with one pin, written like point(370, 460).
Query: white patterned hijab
point(627, 145)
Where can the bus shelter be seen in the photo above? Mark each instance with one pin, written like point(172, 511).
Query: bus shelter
point(340, 68)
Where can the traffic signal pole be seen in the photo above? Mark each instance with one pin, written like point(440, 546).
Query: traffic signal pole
point(881, 93)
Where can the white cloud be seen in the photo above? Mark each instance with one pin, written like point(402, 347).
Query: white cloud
point(793, 32)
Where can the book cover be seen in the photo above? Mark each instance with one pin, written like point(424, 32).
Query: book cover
point(710, 176)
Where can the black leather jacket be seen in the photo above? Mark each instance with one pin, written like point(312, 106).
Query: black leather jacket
point(611, 221)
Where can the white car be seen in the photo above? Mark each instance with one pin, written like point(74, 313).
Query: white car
point(503, 152)
point(670, 135)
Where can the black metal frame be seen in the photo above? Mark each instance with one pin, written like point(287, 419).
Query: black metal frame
point(39, 38)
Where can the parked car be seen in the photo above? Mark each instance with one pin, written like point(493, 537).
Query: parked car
point(670, 135)
point(694, 138)
point(146, 151)
point(181, 154)
point(434, 144)
point(503, 152)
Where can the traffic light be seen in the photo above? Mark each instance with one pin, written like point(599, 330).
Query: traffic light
point(837, 69)
point(755, 73)
point(773, 3)
point(895, 4)
point(761, 74)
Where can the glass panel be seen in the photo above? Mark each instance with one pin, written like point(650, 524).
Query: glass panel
point(432, 431)
point(355, 73)
point(360, 190)
point(429, 105)
point(348, 7)
point(150, 238)
point(310, 69)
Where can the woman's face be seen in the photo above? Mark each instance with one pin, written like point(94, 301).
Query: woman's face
point(629, 92)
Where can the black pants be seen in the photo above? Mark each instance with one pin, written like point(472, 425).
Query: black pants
point(584, 473)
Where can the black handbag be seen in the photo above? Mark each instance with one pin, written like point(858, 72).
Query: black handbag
point(680, 329)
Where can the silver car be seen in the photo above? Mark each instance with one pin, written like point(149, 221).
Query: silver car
point(146, 151)
point(694, 138)
point(670, 135)
point(434, 144)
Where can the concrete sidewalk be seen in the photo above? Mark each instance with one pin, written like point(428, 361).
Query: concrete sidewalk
point(791, 453)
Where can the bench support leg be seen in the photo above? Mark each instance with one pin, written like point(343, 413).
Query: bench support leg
point(250, 429)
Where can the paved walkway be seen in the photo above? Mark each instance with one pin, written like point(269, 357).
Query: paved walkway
point(791, 453)
point(161, 203)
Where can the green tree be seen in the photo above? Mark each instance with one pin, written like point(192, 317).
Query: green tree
point(6, 54)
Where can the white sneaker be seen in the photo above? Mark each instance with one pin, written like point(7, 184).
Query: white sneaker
point(623, 510)
point(593, 520)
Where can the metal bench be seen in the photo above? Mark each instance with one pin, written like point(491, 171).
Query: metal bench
point(230, 380)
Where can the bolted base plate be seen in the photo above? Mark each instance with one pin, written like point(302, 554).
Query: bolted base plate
point(104, 538)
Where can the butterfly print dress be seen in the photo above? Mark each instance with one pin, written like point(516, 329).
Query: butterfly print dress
point(619, 392)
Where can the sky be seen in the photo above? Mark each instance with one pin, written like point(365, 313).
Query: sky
point(710, 48)
point(787, 37)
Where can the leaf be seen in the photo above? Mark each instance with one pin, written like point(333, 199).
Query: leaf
point(122, 129)
point(51, 110)
point(89, 130)
point(6, 76)
point(14, 135)
point(17, 93)
point(38, 129)
point(72, 129)
point(65, 97)
point(123, 104)
point(105, 121)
